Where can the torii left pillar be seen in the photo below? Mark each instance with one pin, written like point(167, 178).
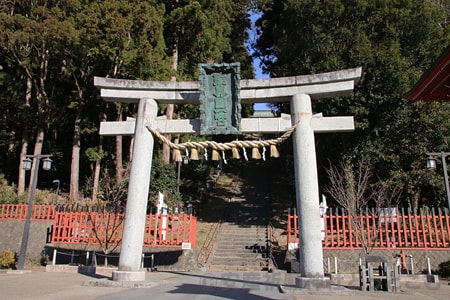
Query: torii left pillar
point(307, 195)
point(138, 188)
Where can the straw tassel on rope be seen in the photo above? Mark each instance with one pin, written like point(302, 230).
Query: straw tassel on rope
point(255, 153)
point(274, 151)
point(177, 155)
point(235, 153)
point(215, 146)
point(215, 155)
point(194, 154)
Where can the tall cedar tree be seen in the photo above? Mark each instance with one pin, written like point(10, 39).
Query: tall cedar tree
point(394, 42)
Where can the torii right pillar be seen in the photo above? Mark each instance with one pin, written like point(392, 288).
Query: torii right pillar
point(307, 196)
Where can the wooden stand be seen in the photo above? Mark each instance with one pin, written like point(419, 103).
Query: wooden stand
point(383, 277)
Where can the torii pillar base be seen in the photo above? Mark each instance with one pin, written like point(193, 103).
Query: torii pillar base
point(312, 283)
point(128, 275)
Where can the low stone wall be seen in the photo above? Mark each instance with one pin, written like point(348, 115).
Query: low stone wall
point(89, 270)
point(11, 237)
point(39, 243)
point(348, 260)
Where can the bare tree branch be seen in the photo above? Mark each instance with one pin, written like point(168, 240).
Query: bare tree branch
point(352, 189)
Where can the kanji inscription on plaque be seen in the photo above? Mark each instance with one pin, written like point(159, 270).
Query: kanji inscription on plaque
point(220, 105)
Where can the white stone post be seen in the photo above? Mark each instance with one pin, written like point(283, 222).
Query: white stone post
point(307, 190)
point(138, 188)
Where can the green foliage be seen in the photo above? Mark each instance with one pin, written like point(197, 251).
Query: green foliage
point(394, 43)
point(164, 179)
point(8, 193)
point(8, 259)
point(60, 46)
point(94, 153)
point(444, 269)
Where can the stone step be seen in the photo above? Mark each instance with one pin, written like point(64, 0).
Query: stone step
point(235, 260)
point(227, 265)
point(240, 250)
point(249, 239)
point(242, 235)
point(225, 268)
point(243, 231)
point(232, 246)
point(244, 228)
point(241, 244)
point(240, 256)
point(237, 252)
point(249, 264)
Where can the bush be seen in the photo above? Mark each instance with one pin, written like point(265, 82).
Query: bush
point(8, 259)
point(7, 193)
point(444, 269)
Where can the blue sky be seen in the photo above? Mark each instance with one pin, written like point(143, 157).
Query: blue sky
point(256, 62)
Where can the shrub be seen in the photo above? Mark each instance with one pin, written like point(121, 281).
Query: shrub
point(7, 193)
point(444, 269)
point(8, 259)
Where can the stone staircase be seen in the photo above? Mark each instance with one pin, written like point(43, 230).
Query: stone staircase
point(241, 244)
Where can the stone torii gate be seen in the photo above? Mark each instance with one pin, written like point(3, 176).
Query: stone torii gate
point(298, 90)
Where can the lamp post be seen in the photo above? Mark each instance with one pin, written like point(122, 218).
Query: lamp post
point(27, 163)
point(431, 165)
point(57, 182)
point(185, 162)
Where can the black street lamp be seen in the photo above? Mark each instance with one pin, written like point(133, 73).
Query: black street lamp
point(431, 165)
point(57, 182)
point(185, 162)
point(46, 165)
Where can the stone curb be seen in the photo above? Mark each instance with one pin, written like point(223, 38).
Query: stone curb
point(124, 284)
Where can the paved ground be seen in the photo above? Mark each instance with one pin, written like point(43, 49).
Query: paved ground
point(39, 284)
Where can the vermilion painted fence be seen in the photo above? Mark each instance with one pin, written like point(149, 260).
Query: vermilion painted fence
point(19, 212)
point(103, 228)
point(414, 229)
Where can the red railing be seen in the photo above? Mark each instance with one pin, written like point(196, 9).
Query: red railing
point(428, 229)
point(19, 212)
point(105, 229)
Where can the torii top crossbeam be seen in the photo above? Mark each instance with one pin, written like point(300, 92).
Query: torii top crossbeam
point(332, 84)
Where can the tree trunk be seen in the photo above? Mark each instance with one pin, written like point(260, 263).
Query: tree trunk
point(119, 151)
point(43, 104)
point(165, 147)
point(95, 186)
point(42, 111)
point(130, 150)
point(37, 151)
point(96, 176)
point(170, 107)
point(75, 164)
point(24, 148)
point(415, 203)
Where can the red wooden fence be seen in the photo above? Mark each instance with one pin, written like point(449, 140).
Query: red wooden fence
point(428, 229)
point(19, 212)
point(103, 228)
